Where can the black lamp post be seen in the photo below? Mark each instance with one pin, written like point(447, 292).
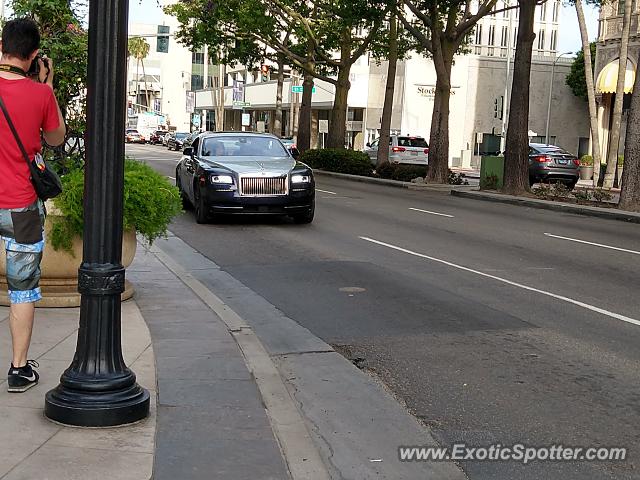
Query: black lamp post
point(98, 390)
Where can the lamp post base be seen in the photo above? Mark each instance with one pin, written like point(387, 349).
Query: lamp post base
point(103, 409)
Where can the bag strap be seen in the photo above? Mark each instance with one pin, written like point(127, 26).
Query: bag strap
point(12, 127)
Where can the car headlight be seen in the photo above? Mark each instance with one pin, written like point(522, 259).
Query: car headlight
point(301, 179)
point(225, 179)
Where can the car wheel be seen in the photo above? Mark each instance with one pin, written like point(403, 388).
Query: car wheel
point(200, 206)
point(306, 217)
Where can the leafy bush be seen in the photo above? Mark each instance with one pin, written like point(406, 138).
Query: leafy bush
point(586, 160)
point(457, 179)
point(403, 173)
point(601, 195)
point(150, 202)
point(338, 160)
point(620, 160)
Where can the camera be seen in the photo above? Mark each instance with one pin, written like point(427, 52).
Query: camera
point(34, 69)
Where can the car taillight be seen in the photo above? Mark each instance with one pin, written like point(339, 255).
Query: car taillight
point(398, 149)
point(426, 150)
point(542, 158)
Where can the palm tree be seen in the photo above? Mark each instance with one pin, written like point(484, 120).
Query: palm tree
point(139, 49)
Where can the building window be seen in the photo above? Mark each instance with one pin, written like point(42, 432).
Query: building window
point(505, 13)
point(543, 12)
point(621, 4)
point(541, 39)
point(492, 35)
point(505, 36)
point(556, 10)
point(197, 58)
point(554, 38)
point(515, 37)
point(479, 35)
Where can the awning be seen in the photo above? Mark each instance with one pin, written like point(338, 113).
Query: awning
point(608, 78)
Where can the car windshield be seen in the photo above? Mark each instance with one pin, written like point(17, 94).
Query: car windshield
point(242, 146)
point(132, 131)
point(551, 149)
point(180, 136)
point(412, 142)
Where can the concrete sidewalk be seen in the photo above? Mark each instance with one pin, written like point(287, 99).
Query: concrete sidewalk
point(35, 448)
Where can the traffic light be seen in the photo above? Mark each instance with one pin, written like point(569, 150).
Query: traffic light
point(265, 72)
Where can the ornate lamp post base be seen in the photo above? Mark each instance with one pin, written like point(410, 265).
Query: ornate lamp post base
point(82, 409)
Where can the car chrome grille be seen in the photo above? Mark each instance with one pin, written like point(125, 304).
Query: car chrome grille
point(260, 186)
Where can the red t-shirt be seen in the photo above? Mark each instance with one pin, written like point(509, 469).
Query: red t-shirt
point(32, 107)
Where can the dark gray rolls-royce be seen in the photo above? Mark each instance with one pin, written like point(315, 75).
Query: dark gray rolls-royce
point(244, 173)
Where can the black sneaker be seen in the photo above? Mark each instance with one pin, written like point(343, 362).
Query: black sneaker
point(23, 378)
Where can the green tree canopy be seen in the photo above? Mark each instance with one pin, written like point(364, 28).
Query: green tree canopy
point(576, 79)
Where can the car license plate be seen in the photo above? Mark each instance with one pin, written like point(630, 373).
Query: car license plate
point(415, 154)
point(563, 162)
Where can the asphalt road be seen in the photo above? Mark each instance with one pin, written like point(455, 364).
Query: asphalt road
point(491, 323)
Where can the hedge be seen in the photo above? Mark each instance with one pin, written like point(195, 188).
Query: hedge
point(339, 160)
point(403, 173)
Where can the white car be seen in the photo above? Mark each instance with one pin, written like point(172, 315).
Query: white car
point(402, 149)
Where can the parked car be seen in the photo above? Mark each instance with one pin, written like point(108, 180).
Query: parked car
point(291, 146)
point(549, 163)
point(244, 173)
point(176, 140)
point(402, 149)
point(133, 136)
point(157, 136)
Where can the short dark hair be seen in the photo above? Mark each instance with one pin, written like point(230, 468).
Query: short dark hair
point(20, 38)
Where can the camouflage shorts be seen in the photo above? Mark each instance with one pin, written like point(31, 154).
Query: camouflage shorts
point(21, 230)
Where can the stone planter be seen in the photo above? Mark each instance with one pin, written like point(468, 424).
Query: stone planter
point(59, 278)
point(586, 172)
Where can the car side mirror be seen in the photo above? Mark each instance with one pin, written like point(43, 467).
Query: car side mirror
point(188, 151)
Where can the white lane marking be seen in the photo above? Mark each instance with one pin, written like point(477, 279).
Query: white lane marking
point(172, 178)
point(431, 213)
point(592, 243)
point(509, 282)
point(326, 191)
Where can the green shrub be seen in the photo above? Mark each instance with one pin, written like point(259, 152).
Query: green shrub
point(150, 202)
point(403, 173)
point(339, 160)
point(620, 160)
point(457, 179)
point(490, 182)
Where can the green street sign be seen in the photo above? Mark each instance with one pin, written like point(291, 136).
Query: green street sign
point(300, 89)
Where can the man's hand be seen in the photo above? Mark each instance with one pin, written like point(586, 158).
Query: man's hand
point(46, 71)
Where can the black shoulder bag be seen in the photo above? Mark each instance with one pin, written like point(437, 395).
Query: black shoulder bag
point(45, 181)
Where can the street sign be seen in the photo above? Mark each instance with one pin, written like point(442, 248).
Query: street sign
point(300, 89)
point(240, 105)
point(323, 126)
point(195, 119)
point(191, 102)
point(246, 119)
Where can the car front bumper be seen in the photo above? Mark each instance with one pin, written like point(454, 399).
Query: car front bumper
point(229, 201)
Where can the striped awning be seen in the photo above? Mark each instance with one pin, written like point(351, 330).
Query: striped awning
point(608, 78)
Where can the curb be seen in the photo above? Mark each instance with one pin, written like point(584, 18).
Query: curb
point(392, 183)
point(611, 214)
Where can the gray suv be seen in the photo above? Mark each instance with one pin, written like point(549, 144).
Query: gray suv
point(549, 163)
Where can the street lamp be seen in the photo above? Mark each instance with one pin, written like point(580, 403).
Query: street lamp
point(98, 389)
point(553, 68)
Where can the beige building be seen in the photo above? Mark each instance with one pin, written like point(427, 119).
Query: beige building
point(606, 68)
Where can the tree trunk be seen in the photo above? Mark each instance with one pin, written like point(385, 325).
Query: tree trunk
point(338, 130)
point(146, 88)
point(630, 194)
point(614, 138)
point(591, 93)
point(439, 135)
point(516, 161)
point(137, 106)
point(304, 123)
point(277, 124)
point(387, 111)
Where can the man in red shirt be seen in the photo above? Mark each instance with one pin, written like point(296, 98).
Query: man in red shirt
point(33, 109)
